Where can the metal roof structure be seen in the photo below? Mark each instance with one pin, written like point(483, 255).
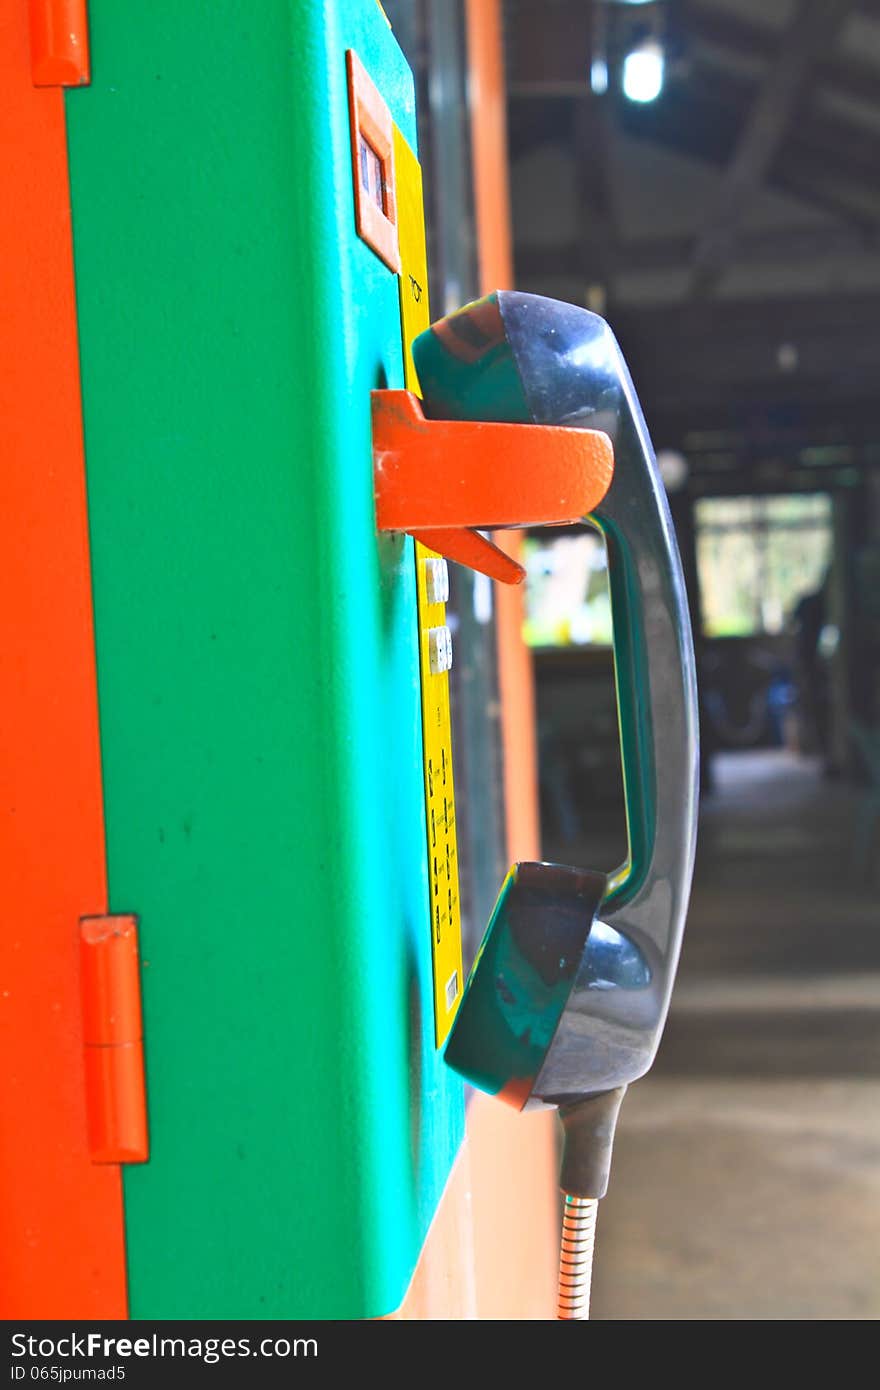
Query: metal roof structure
point(730, 229)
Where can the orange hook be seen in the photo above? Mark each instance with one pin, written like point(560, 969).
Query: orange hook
point(443, 481)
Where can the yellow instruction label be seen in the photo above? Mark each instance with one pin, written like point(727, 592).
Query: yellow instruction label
point(414, 314)
point(436, 725)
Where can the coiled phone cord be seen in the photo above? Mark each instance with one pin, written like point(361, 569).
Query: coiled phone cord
point(576, 1257)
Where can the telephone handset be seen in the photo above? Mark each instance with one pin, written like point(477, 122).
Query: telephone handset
point(569, 993)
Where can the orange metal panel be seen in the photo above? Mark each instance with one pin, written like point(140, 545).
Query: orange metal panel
point(515, 1190)
point(61, 1234)
point(492, 1249)
point(442, 1287)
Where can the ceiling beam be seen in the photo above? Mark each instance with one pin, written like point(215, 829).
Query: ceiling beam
point(549, 45)
point(811, 33)
point(847, 76)
point(828, 162)
point(842, 314)
point(694, 358)
point(780, 246)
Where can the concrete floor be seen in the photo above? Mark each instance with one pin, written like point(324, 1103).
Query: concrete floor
point(746, 1181)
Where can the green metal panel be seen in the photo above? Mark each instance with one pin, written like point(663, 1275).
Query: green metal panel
point(258, 660)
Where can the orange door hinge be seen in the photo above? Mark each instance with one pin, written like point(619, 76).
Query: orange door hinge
point(113, 1034)
point(59, 43)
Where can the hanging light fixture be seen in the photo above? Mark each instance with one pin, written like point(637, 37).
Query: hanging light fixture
point(640, 43)
point(643, 71)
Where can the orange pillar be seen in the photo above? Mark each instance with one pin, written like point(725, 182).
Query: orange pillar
point(513, 1157)
point(492, 205)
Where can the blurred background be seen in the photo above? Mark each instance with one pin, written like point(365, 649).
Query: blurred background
point(706, 175)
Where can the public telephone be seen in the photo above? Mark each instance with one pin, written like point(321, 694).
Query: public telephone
point(240, 510)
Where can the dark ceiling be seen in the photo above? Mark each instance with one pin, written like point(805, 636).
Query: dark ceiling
point(729, 230)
